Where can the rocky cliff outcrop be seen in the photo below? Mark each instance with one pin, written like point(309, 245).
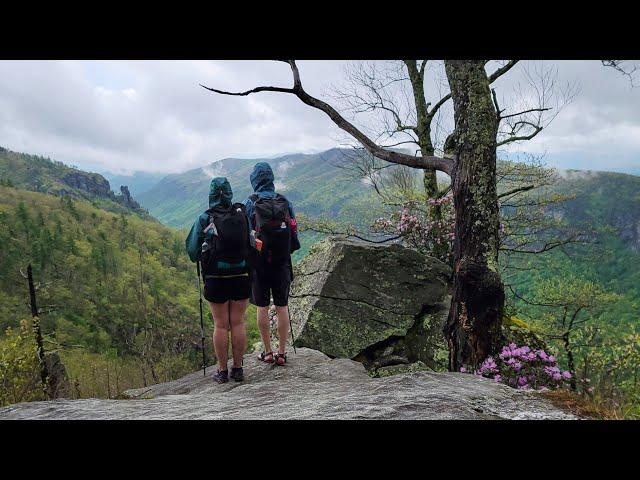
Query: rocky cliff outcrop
point(125, 199)
point(381, 305)
point(310, 386)
point(93, 184)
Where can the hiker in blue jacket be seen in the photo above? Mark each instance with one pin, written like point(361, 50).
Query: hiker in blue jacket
point(219, 240)
point(271, 216)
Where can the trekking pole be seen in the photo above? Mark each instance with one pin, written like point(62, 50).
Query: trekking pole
point(293, 340)
point(204, 358)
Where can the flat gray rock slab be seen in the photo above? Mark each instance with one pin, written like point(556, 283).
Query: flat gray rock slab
point(310, 386)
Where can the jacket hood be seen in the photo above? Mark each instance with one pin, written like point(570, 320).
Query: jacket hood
point(220, 193)
point(262, 178)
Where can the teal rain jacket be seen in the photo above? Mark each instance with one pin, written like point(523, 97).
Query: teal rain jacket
point(220, 195)
point(262, 182)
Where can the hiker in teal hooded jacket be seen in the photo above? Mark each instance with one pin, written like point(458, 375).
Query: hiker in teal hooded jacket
point(271, 278)
point(219, 240)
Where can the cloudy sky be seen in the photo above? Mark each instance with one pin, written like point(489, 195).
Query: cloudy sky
point(121, 116)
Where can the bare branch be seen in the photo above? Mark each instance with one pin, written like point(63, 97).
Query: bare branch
point(495, 103)
point(542, 95)
point(422, 68)
point(492, 78)
point(622, 67)
point(439, 163)
point(253, 90)
point(517, 190)
point(536, 130)
point(445, 191)
point(545, 248)
point(502, 70)
point(531, 110)
point(439, 104)
point(417, 82)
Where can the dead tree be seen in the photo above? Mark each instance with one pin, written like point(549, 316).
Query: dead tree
point(44, 373)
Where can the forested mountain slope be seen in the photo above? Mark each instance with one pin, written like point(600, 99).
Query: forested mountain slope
point(39, 174)
point(116, 289)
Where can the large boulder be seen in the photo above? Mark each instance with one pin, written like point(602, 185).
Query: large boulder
point(380, 305)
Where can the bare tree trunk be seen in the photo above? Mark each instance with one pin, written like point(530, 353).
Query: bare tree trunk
point(570, 361)
point(108, 381)
point(154, 374)
point(423, 132)
point(473, 327)
point(144, 371)
point(44, 372)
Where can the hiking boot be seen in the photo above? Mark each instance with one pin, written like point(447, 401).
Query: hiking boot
point(222, 376)
point(237, 374)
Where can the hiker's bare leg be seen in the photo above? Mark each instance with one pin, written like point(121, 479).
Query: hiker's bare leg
point(238, 330)
point(263, 325)
point(220, 312)
point(283, 327)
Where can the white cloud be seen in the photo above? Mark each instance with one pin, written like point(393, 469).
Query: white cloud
point(152, 115)
point(216, 169)
point(283, 167)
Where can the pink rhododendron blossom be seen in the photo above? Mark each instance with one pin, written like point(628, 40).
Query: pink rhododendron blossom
point(523, 368)
point(420, 230)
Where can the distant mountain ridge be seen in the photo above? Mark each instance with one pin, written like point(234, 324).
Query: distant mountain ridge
point(138, 182)
point(40, 174)
point(606, 201)
point(317, 185)
point(314, 183)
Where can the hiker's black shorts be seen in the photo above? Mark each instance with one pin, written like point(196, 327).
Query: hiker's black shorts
point(220, 290)
point(272, 282)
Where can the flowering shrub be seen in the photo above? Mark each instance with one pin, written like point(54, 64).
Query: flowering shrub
point(524, 368)
point(420, 230)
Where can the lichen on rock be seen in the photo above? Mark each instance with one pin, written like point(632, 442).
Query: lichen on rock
point(380, 305)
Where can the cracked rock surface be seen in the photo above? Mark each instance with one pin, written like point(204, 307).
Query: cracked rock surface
point(310, 386)
point(348, 296)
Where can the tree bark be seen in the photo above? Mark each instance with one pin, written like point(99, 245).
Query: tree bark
point(473, 326)
point(570, 361)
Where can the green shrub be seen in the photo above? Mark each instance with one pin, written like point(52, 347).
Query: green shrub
point(19, 367)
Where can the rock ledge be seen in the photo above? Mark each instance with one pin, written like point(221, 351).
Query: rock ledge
point(311, 386)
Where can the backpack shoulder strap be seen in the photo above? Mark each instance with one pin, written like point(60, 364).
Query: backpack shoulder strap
point(206, 213)
point(210, 215)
